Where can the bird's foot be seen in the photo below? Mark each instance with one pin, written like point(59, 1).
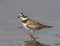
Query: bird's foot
point(32, 37)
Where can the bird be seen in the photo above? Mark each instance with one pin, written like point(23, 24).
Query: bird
point(31, 24)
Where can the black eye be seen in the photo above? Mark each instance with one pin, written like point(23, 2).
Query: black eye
point(24, 16)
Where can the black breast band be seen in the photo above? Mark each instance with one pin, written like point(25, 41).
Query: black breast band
point(24, 21)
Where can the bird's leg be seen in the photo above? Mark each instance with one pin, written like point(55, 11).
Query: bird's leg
point(32, 32)
point(32, 35)
point(32, 38)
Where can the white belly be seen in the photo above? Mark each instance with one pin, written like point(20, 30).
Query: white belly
point(24, 24)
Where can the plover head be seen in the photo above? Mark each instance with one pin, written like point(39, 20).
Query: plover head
point(23, 16)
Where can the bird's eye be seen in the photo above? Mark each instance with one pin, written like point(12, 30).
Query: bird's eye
point(24, 16)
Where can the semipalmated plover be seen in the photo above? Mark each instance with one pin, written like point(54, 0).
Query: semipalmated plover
point(30, 24)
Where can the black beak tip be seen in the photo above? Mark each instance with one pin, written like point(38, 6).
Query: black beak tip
point(17, 16)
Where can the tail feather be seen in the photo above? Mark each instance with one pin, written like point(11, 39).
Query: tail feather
point(49, 26)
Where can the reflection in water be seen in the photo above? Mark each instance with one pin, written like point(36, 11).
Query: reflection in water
point(33, 43)
point(57, 43)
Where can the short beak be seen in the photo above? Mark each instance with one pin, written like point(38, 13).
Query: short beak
point(18, 16)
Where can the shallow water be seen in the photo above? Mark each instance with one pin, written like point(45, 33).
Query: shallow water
point(43, 11)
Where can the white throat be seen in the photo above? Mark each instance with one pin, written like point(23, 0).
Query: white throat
point(23, 18)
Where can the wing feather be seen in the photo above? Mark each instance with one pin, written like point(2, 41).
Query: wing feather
point(34, 24)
